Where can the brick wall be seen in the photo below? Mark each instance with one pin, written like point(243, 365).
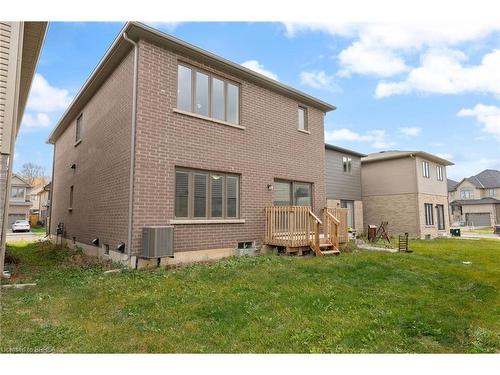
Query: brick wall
point(270, 147)
point(101, 176)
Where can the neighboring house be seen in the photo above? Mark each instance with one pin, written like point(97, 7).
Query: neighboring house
point(166, 133)
point(475, 200)
point(44, 204)
point(343, 183)
point(19, 203)
point(408, 189)
point(20, 45)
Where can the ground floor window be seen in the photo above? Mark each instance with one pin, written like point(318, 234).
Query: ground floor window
point(350, 212)
point(292, 193)
point(440, 216)
point(429, 216)
point(206, 195)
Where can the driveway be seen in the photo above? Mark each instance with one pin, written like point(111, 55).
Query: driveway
point(24, 236)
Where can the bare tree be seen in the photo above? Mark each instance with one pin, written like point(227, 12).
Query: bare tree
point(32, 172)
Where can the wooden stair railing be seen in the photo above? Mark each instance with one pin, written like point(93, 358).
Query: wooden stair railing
point(332, 229)
point(315, 224)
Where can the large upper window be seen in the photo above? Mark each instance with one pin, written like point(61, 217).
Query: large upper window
point(466, 193)
point(206, 195)
point(292, 193)
point(17, 192)
point(302, 113)
point(425, 169)
point(206, 95)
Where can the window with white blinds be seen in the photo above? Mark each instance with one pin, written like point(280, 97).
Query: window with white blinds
point(206, 195)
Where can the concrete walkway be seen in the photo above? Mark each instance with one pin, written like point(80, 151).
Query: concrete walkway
point(24, 236)
point(376, 248)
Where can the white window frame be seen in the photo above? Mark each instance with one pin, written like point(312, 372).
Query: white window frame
point(426, 169)
point(346, 164)
point(429, 214)
point(439, 171)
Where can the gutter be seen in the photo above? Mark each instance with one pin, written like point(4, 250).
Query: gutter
point(132, 146)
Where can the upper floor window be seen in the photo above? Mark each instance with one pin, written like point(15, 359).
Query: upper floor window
point(78, 129)
point(206, 195)
point(302, 112)
point(206, 95)
point(491, 192)
point(466, 193)
point(439, 170)
point(17, 192)
point(346, 164)
point(425, 169)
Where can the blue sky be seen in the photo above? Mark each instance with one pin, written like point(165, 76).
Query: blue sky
point(407, 87)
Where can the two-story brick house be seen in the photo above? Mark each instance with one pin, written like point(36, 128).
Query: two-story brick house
point(165, 133)
point(408, 189)
point(475, 200)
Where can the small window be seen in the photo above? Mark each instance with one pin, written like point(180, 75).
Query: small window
point(439, 170)
point(78, 130)
point(429, 216)
point(491, 192)
point(232, 196)
point(302, 113)
point(181, 194)
point(17, 192)
point(346, 164)
point(425, 169)
point(71, 193)
point(218, 100)
point(217, 188)
point(200, 195)
point(466, 193)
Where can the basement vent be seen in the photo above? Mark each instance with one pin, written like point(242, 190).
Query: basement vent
point(157, 242)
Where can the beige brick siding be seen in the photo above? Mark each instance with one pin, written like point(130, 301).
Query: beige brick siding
point(101, 176)
point(400, 210)
point(270, 147)
point(433, 229)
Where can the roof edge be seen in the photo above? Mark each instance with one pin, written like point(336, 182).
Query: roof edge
point(344, 150)
point(405, 154)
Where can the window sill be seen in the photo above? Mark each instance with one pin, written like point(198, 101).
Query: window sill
point(207, 221)
point(175, 110)
point(77, 143)
point(304, 131)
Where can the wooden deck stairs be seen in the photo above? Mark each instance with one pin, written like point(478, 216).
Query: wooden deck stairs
point(297, 229)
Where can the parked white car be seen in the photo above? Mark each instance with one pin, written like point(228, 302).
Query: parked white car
point(21, 225)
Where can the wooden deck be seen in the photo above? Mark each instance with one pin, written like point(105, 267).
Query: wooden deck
point(297, 228)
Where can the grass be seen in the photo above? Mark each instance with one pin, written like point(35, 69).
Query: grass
point(359, 302)
point(38, 230)
point(485, 230)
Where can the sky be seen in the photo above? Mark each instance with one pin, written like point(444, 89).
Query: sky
point(411, 86)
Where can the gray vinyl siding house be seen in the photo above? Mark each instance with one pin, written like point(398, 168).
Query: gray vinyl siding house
point(343, 183)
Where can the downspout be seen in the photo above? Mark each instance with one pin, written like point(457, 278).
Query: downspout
point(132, 147)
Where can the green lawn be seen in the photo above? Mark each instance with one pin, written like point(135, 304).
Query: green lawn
point(486, 230)
point(363, 302)
point(38, 230)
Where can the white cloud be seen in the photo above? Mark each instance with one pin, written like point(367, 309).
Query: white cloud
point(40, 120)
point(487, 115)
point(377, 138)
point(259, 68)
point(319, 80)
point(443, 71)
point(365, 59)
point(46, 98)
point(411, 131)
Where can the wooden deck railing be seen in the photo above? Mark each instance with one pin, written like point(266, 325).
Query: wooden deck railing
point(292, 226)
point(331, 227)
point(341, 215)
